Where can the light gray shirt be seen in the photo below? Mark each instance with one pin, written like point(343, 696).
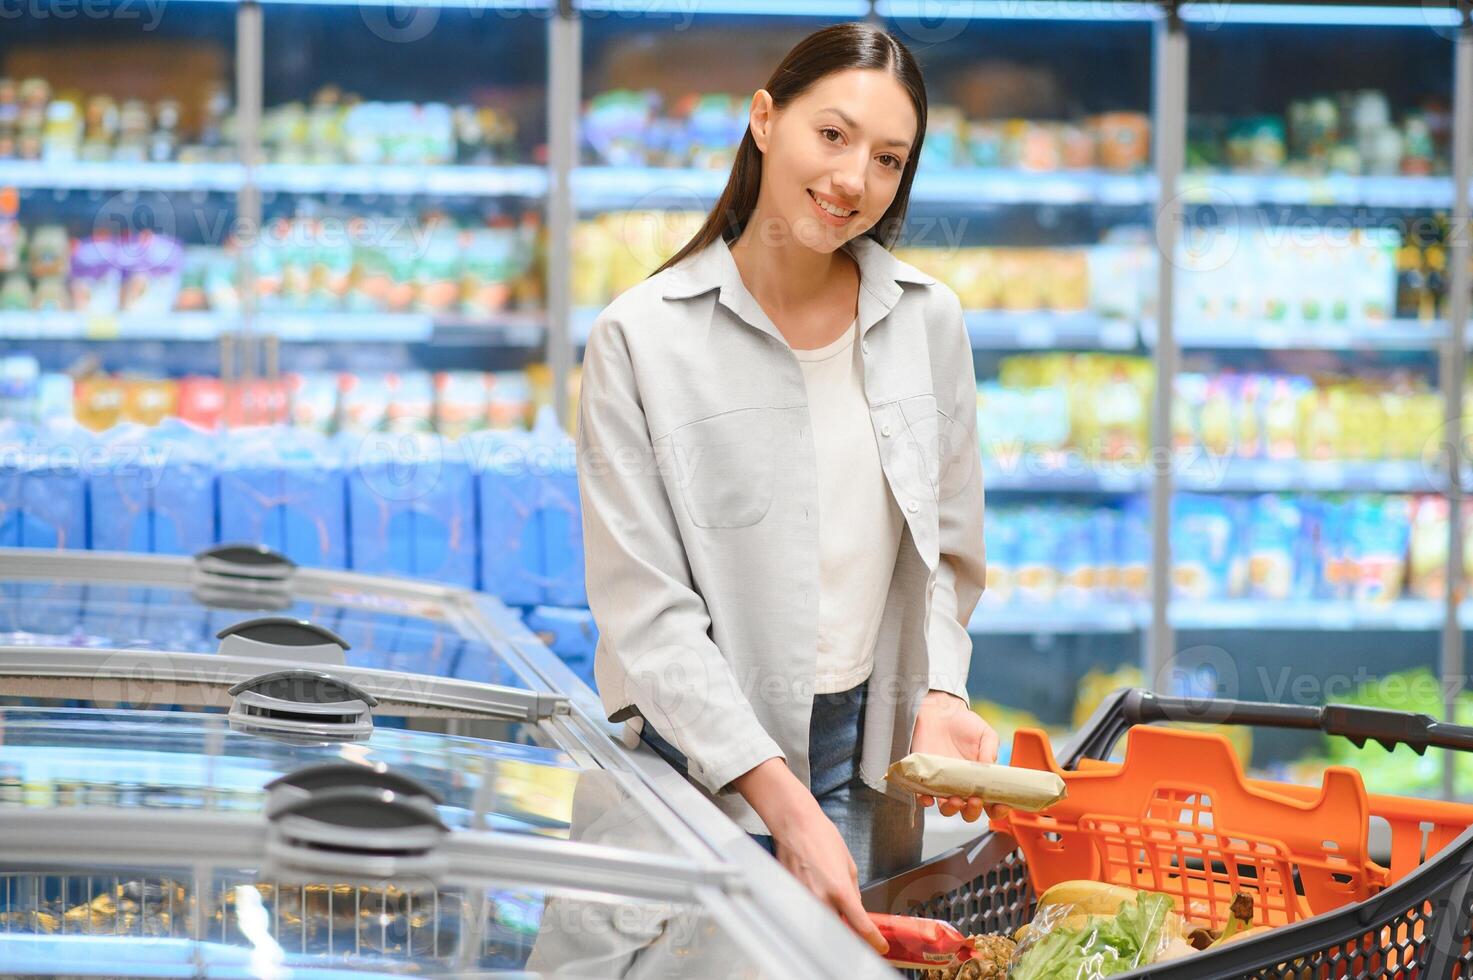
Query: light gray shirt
point(697, 473)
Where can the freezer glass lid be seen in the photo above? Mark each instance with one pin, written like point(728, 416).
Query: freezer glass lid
point(382, 632)
point(186, 761)
point(148, 922)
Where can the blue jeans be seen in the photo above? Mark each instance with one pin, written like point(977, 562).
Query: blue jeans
point(883, 833)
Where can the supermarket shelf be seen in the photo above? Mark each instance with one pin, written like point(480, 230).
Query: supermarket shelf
point(1037, 473)
point(612, 188)
point(1414, 615)
point(1114, 618)
point(516, 330)
point(1328, 15)
point(1001, 330)
point(1249, 614)
point(1258, 335)
point(1049, 10)
point(1236, 475)
point(1237, 190)
point(101, 326)
point(520, 181)
point(121, 176)
point(1022, 472)
point(845, 9)
point(964, 187)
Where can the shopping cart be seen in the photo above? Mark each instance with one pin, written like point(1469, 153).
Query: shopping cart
point(1339, 914)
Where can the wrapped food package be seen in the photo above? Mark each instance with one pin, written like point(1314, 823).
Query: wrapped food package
point(936, 775)
point(940, 949)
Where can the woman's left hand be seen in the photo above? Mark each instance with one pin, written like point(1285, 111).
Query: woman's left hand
point(947, 726)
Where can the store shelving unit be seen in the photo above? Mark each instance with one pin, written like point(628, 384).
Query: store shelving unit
point(1159, 44)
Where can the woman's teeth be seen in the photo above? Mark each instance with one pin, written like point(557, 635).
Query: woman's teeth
point(836, 212)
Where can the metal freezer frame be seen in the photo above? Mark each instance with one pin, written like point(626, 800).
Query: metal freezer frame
point(714, 862)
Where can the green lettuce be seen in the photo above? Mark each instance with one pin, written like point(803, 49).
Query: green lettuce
point(1105, 945)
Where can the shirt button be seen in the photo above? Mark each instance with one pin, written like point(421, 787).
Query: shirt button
point(864, 346)
point(885, 431)
point(912, 506)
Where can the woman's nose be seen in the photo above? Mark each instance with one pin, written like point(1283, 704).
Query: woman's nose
point(849, 180)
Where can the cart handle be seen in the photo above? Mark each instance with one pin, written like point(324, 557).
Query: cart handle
point(1136, 706)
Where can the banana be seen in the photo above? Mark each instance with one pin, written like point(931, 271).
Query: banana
point(1092, 897)
point(1076, 920)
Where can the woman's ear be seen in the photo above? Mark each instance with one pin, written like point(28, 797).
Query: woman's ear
point(761, 118)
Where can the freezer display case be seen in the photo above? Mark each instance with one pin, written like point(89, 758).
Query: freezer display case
point(229, 766)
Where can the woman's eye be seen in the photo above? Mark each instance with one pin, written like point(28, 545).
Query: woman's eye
point(827, 130)
point(892, 161)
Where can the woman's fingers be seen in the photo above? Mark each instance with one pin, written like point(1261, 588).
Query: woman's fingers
point(972, 810)
point(987, 750)
point(927, 800)
point(852, 910)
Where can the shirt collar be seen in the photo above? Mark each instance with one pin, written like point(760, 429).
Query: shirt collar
point(880, 276)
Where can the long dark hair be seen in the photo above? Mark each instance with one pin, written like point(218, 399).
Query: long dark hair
point(838, 48)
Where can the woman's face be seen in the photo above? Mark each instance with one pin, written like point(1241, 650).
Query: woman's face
point(839, 147)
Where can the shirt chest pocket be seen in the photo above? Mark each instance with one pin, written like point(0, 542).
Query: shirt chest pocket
point(724, 465)
point(921, 442)
point(946, 451)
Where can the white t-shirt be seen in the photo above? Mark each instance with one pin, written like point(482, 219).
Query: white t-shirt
point(859, 524)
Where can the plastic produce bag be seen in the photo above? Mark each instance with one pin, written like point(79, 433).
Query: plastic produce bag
point(1064, 943)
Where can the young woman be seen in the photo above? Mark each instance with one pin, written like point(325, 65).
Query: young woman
point(782, 492)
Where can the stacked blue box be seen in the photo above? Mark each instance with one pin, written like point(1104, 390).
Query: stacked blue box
point(412, 508)
point(153, 490)
point(569, 633)
point(531, 527)
point(286, 488)
point(43, 491)
point(511, 519)
point(562, 531)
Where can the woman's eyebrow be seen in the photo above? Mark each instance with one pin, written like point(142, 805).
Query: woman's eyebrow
point(849, 121)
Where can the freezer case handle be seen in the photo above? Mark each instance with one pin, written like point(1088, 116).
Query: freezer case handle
point(299, 784)
point(304, 704)
point(357, 831)
point(283, 638)
point(243, 576)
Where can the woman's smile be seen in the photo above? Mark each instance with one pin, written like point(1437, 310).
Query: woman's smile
point(832, 212)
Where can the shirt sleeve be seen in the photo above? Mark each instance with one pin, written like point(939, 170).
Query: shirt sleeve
point(961, 573)
point(650, 618)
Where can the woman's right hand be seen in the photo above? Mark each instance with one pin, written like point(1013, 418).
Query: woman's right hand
point(808, 843)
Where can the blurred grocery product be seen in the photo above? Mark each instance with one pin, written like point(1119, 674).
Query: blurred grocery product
point(1094, 406)
point(1285, 546)
point(1352, 547)
point(1113, 141)
point(451, 403)
point(39, 123)
point(1286, 276)
point(628, 128)
point(617, 249)
point(1042, 553)
point(1351, 132)
point(625, 128)
point(330, 261)
point(338, 127)
point(1373, 415)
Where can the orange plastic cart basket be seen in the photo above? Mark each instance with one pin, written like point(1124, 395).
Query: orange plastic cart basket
point(1178, 816)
